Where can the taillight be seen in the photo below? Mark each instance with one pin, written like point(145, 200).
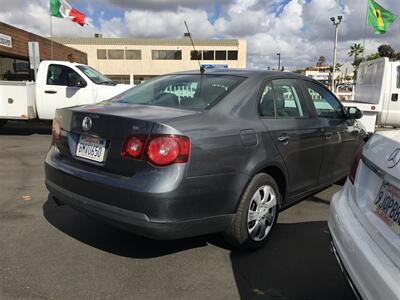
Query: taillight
point(56, 130)
point(133, 147)
point(354, 165)
point(160, 150)
point(166, 150)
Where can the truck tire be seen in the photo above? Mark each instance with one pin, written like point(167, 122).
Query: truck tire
point(256, 215)
point(2, 123)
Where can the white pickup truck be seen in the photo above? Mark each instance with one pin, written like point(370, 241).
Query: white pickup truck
point(377, 93)
point(58, 84)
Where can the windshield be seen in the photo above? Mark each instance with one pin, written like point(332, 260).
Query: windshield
point(94, 75)
point(186, 91)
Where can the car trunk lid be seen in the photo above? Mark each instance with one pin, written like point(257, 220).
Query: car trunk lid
point(109, 126)
point(377, 192)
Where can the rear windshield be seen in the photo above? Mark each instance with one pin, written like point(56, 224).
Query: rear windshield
point(186, 91)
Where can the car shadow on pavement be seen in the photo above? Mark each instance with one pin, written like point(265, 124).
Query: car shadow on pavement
point(111, 239)
point(26, 128)
point(296, 263)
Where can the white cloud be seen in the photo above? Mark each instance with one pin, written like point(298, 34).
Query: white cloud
point(146, 23)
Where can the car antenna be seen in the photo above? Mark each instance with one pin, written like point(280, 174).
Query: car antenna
point(194, 48)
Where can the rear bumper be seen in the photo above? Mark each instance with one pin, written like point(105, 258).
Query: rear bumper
point(372, 274)
point(344, 271)
point(139, 223)
point(197, 206)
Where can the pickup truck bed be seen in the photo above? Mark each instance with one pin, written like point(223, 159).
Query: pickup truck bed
point(17, 100)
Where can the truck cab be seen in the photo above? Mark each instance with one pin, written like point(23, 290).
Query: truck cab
point(63, 84)
point(58, 84)
point(377, 93)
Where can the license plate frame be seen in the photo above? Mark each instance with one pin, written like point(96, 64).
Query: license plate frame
point(387, 206)
point(91, 148)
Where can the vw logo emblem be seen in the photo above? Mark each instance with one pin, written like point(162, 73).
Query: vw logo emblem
point(87, 123)
point(394, 158)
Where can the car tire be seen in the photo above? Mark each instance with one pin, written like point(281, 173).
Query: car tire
point(258, 210)
point(2, 123)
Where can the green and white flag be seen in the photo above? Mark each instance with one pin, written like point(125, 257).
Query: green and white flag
point(62, 9)
point(379, 18)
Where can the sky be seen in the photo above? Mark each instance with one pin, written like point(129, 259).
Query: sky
point(300, 30)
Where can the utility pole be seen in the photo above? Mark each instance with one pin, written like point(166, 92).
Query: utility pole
point(336, 24)
point(279, 61)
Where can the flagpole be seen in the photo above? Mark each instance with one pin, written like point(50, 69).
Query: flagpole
point(365, 30)
point(51, 37)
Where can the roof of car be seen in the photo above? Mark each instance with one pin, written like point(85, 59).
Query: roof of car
point(244, 72)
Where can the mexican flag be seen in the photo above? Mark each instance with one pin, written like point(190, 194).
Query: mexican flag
point(62, 9)
point(379, 18)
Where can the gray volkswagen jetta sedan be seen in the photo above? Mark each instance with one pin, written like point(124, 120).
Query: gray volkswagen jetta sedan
point(195, 153)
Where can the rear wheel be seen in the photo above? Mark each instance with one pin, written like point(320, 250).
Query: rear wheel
point(3, 122)
point(257, 213)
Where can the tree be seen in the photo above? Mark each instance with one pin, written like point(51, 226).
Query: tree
point(355, 51)
point(337, 67)
point(299, 71)
point(386, 51)
point(373, 56)
point(321, 61)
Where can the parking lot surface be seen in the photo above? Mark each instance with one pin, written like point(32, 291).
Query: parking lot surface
point(52, 252)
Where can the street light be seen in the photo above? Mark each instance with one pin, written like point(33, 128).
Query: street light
point(336, 24)
point(279, 61)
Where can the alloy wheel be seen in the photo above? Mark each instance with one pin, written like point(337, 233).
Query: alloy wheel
point(262, 213)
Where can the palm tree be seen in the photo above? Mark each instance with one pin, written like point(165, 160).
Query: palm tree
point(355, 50)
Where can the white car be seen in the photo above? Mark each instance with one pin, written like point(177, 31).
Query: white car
point(365, 220)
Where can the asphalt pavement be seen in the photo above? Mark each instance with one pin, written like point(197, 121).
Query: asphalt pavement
point(52, 252)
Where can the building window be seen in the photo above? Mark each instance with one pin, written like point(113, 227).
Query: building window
point(232, 55)
point(124, 79)
point(166, 54)
point(195, 55)
point(101, 54)
point(158, 54)
point(208, 55)
point(220, 55)
point(115, 54)
point(133, 54)
point(174, 54)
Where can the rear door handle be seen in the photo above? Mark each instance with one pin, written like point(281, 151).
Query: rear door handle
point(50, 92)
point(283, 139)
point(328, 135)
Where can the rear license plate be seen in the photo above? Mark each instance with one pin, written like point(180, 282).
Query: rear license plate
point(387, 206)
point(91, 148)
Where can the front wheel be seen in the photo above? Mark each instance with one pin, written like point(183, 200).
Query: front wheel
point(256, 215)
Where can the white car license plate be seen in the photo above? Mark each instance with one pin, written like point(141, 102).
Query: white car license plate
point(387, 206)
point(91, 148)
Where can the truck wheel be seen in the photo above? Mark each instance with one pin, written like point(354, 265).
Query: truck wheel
point(256, 215)
point(2, 123)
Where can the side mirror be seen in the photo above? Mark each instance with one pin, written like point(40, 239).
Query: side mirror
point(81, 83)
point(77, 82)
point(354, 113)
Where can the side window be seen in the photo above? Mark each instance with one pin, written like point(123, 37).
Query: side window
point(398, 78)
point(266, 107)
point(289, 101)
point(62, 75)
point(326, 105)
